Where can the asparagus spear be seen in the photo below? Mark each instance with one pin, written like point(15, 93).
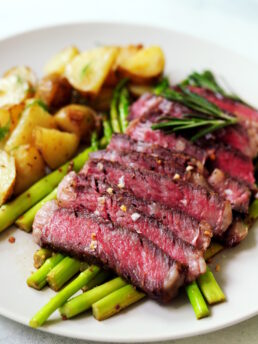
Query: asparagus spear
point(116, 301)
point(123, 108)
point(253, 210)
point(114, 105)
point(107, 130)
point(84, 301)
point(198, 303)
point(210, 288)
point(25, 221)
point(40, 257)
point(101, 277)
point(59, 299)
point(63, 272)
point(9, 212)
point(39, 278)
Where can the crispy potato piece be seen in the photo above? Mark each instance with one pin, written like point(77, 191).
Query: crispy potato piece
point(9, 117)
point(88, 71)
point(23, 73)
point(55, 146)
point(55, 91)
point(59, 61)
point(145, 64)
point(77, 119)
point(33, 115)
point(13, 90)
point(30, 167)
point(7, 176)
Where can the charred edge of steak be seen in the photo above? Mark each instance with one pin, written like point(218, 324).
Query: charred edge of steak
point(236, 233)
point(237, 193)
point(192, 199)
point(184, 226)
point(88, 237)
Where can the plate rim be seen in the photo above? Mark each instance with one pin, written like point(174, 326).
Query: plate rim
point(62, 332)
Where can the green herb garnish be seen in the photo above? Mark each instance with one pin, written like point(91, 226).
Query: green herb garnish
point(84, 71)
point(38, 102)
point(206, 117)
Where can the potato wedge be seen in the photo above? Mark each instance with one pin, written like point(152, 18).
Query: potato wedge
point(13, 90)
point(77, 119)
point(23, 73)
point(145, 64)
point(58, 62)
point(139, 90)
point(9, 117)
point(33, 115)
point(7, 176)
point(55, 91)
point(88, 71)
point(30, 167)
point(55, 146)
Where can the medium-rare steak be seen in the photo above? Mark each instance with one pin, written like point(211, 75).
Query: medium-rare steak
point(236, 233)
point(140, 129)
point(89, 237)
point(124, 143)
point(193, 199)
point(113, 208)
point(233, 162)
point(72, 192)
point(238, 194)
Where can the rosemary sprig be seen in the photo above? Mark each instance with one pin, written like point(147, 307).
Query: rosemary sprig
point(207, 80)
point(206, 118)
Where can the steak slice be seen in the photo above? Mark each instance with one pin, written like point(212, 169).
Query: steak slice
point(195, 200)
point(233, 162)
point(72, 193)
point(130, 255)
point(140, 129)
point(238, 194)
point(149, 103)
point(148, 162)
point(113, 208)
point(123, 143)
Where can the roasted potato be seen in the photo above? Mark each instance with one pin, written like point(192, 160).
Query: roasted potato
point(13, 90)
point(55, 91)
point(23, 73)
point(77, 119)
point(55, 146)
point(102, 101)
point(139, 90)
point(88, 71)
point(30, 167)
point(59, 61)
point(7, 176)
point(33, 115)
point(144, 65)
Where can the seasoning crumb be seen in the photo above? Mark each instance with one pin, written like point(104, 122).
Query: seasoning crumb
point(123, 207)
point(11, 240)
point(135, 216)
point(110, 191)
point(158, 161)
point(176, 176)
point(189, 168)
point(208, 233)
point(93, 236)
point(100, 166)
point(217, 268)
point(64, 317)
point(121, 182)
point(212, 156)
point(117, 307)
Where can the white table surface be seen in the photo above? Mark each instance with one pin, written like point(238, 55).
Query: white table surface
point(231, 23)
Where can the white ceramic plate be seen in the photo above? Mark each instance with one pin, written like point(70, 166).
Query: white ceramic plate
point(146, 321)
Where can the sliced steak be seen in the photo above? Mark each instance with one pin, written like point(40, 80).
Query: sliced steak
point(233, 162)
point(124, 143)
point(238, 194)
point(149, 103)
point(236, 233)
point(72, 192)
point(140, 129)
point(130, 255)
point(195, 200)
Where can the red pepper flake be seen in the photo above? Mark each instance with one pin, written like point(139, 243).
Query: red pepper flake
point(64, 317)
point(11, 240)
point(117, 307)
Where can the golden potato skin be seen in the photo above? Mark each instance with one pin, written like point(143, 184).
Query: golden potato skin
point(55, 146)
point(7, 176)
point(33, 115)
point(77, 119)
point(30, 167)
point(55, 91)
